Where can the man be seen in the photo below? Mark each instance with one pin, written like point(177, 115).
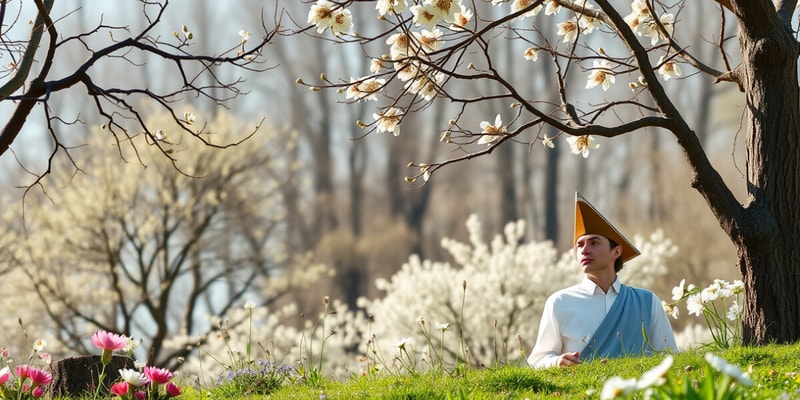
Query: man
point(600, 317)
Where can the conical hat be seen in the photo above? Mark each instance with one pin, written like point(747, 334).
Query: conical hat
point(589, 221)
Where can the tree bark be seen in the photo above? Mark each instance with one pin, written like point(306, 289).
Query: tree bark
point(769, 259)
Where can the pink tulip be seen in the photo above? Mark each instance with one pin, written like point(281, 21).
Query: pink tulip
point(120, 388)
point(173, 390)
point(157, 375)
point(140, 395)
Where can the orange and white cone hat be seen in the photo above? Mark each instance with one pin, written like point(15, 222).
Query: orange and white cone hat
point(589, 221)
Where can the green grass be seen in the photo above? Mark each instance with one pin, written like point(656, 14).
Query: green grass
point(773, 368)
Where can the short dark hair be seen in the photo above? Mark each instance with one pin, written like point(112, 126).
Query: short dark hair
point(618, 262)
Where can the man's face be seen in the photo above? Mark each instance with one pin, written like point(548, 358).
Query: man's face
point(594, 253)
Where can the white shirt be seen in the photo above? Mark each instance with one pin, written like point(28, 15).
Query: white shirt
point(581, 309)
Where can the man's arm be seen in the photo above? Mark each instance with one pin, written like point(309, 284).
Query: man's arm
point(547, 350)
point(662, 336)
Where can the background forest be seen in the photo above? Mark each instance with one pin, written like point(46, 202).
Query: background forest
point(306, 207)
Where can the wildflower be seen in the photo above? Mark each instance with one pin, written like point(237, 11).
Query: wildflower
point(492, 132)
point(389, 121)
point(677, 291)
point(582, 144)
point(731, 370)
point(734, 311)
point(670, 309)
point(108, 342)
point(655, 376)
point(39, 345)
point(39, 377)
point(421, 320)
point(711, 293)
point(617, 386)
point(5, 373)
point(442, 326)
point(37, 392)
point(568, 29)
point(249, 304)
point(655, 33)
point(694, 305)
point(157, 375)
point(376, 65)
point(431, 40)
point(737, 286)
point(394, 6)
point(133, 377)
point(403, 342)
point(531, 54)
point(601, 75)
point(398, 45)
point(172, 389)
point(159, 135)
point(120, 388)
point(669, 69)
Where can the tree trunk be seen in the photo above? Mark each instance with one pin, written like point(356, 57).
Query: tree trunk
point(769, 258)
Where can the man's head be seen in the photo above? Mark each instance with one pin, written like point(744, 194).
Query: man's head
point(589, 222)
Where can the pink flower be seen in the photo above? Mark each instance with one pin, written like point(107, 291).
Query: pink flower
point(140, 395)
point(120, 388)
point(22, 371)
point(37, 392)
point(39, 377)
point(157, 375)
point(5, 373)
point(109, 341)
point(173, 390)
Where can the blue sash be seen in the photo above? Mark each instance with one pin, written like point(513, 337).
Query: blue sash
point(622, 331)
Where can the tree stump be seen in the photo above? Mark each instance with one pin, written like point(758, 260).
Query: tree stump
point(77, 376)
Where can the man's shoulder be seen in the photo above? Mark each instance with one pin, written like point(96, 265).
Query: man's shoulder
point(566, 293)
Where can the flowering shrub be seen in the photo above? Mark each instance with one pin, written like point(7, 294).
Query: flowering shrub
point(719, 304)
point(720, 381)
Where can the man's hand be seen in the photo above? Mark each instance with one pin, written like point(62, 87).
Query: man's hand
point(568, 359)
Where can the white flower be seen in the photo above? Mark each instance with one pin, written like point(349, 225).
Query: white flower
point(531, 54)
point(670, 309)
point(552, 8)
point(719, 364)
point(734, 311)
point(601, 75)
point(616, 386)
point(461, 18)
point(189, 117)
point(548, 142)
point(518, 5)
point(133, 377)
point(375, 65)
point(389, 121)
point(492, 132)
point(245, 35)
point(39, 345)
point(421, 320)
point(711, 293)
point(431, 40)
point(669, 69)
point(651, 29)
point(677, 291)
point(694, 305)
point(326, 14)
point(582, 144)
point(249, 304)
point(655, 376)
point(568, 29)
point(159, 135)
point(406, 341)
point(395, 6)
point(426, 15)
point(442, 326)
point(737, 286)
point(366, 89)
